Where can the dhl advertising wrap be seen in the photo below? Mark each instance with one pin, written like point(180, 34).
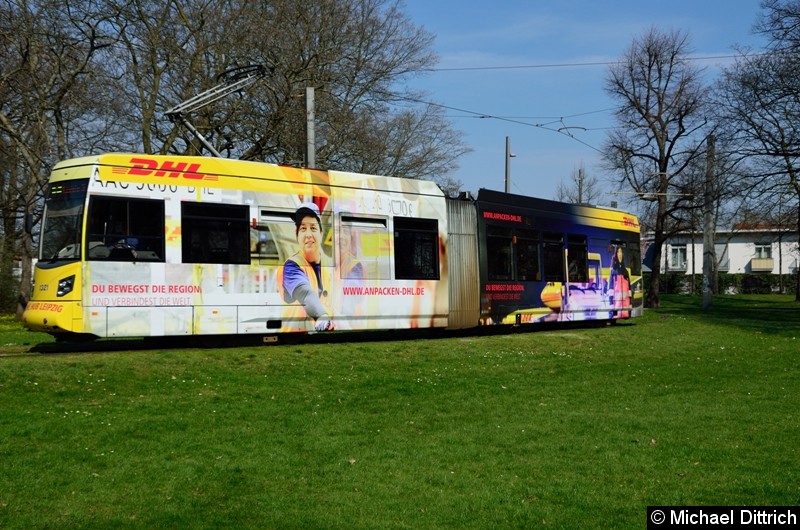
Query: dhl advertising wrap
point(195, 246)
point(139, 245)
point(545, 261)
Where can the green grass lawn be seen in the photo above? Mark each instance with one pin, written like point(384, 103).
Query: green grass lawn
point(565, 428)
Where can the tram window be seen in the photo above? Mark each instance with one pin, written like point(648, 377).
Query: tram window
point(528, 256)
point(262, 244)
point(215, 233)
point(266, 234)
point(632, 256)
point(416, 249)
point(553, 257)
point(121, 229)
point(499, 252)
point(578, 259)
point(364, 242)
point(634, 259)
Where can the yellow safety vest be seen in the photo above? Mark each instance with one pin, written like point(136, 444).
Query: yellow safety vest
point(294, 313)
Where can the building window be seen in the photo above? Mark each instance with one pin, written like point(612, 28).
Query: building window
point(678, 258)
point(721, 253)
point(763, 250)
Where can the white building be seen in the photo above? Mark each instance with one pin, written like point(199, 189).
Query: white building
point(760, 250)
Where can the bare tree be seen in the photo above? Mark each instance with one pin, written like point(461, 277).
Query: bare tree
point(357, 55)
point(758, 106)
point(85, 76)
point(47, 83)
point(658, 139)
point(780, 21)
point(580, 189)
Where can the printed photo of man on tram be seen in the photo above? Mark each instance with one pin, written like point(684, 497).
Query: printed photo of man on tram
point(301, 280)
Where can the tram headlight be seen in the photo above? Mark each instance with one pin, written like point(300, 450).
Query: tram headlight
point(65, 285)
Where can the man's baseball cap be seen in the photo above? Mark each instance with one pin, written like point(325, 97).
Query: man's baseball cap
point(306, 209)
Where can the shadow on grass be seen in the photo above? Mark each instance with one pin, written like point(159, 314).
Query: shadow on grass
point(236, 341)
point(774, 314)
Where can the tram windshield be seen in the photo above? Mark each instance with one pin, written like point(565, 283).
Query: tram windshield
point(61, 229)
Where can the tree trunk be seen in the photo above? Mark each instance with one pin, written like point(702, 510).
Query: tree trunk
point(652, 299)
point(26, 279)
point(797, 259)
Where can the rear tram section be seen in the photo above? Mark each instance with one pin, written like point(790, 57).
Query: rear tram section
point(544, 261)
point(152, 246)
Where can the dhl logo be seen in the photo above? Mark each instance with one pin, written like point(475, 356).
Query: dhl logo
point(168, 168)
point(627, 221)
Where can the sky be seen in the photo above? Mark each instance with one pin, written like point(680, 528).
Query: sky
point(532, 66)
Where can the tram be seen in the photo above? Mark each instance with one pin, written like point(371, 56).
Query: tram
point(137, 245)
